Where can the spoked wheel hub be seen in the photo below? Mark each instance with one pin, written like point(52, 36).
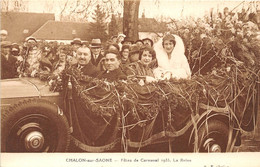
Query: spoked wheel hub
point(34, 141)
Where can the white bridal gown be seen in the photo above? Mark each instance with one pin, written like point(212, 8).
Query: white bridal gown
point(176, 67)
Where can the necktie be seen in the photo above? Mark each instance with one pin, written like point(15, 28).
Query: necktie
point(79, 67)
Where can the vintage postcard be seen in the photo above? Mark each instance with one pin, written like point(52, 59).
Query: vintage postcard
point(102, 83)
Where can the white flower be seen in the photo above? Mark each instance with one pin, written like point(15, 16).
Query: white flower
point(203, 36)
point(240, 34)
point(248, 33)
point(233, 30)
point(228, 69)
point(245, 40)
point(186, 30)
point(141, 82)
point(34, 72)
point(20, 58)
point(51, 82)
point(204, 91)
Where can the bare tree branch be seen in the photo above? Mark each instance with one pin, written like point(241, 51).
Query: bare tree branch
point(65, 6)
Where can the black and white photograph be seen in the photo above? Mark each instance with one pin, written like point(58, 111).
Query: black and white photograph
point(100, 83)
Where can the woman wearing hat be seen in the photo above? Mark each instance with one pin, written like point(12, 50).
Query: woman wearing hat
point(172, 63)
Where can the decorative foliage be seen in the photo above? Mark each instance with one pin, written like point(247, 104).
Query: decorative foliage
point(212, 40)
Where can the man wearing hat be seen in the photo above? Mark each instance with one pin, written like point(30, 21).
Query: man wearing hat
point(3, 35)
point(15, 49)
point(96, 55)
point(134, 53)
point(148, 42)
point(140, 43)
point(127, 41)
point(8, 62)
point(76, 43)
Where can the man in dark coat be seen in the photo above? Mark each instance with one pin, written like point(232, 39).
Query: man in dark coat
point(96, 56)
point(8, 61)
point(85, 64)
point(112, 64)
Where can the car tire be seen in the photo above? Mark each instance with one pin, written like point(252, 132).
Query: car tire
point(213, 136)
point(34, 125)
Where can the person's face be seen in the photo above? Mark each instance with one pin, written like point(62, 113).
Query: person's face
point(102, 51)
point(6, 50)
point(111, 62)
point(3, 37)
point(134, 57)
point(96, 51)
point(168, 46)
point(83, 56)
point(62, 55)
point(125, 54)
point(75, 47)
point(128, 43)
point(31, 43)
point(140, 44)
point(15, 53)
point(146, 57)
point(147, 43)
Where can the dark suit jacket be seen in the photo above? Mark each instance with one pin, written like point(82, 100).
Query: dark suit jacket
point(90, 69)
point(112, 75)
point(97, 61)
point(8, 67)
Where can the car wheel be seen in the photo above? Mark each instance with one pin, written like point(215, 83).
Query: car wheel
point(34, 125)
point(213, 136)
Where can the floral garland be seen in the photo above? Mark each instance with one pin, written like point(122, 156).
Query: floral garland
point(223, 55)
point(142, 104)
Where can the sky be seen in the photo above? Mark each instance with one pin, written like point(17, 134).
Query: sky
point(179, 8)
point(168, 8)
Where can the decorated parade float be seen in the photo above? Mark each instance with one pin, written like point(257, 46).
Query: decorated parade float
point(206, 113)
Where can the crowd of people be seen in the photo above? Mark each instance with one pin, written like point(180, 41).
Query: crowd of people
point(120, 58)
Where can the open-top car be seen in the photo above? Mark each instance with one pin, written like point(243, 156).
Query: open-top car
point(203, 114)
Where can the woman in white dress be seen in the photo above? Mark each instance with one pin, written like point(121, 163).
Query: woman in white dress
point(172, 63)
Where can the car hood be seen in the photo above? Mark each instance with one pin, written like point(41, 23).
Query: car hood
point(25, 87)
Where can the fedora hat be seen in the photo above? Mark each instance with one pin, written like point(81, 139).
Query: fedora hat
point(95, 43)
point(127, 39)
point(76, 41)
point(148, 39)
point(6, 44)
point(15, 47)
